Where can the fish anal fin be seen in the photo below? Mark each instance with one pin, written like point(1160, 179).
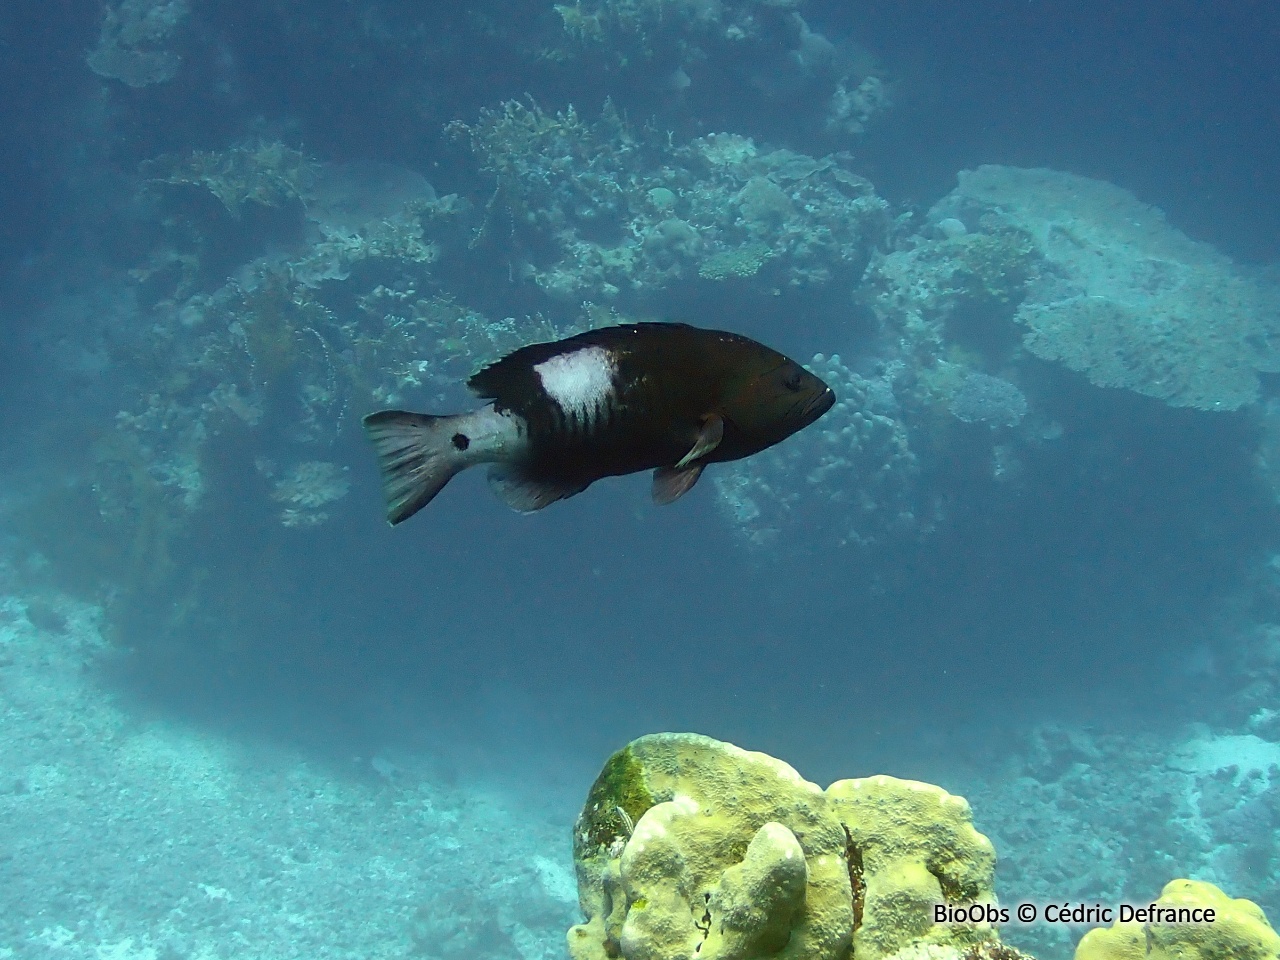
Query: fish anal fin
point(526, 492)
point(672, 483)
point(709, 438)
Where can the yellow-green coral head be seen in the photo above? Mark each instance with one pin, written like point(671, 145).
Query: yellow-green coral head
point(1239, 929)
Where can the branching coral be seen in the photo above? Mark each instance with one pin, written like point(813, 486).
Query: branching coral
point(265, 172)
point(306, 489)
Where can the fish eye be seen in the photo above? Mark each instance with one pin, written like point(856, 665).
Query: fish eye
point(794, 380)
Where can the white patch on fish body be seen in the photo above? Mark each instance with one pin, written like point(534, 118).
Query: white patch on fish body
point(581, 383)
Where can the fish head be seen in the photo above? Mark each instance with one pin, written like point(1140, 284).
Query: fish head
point(773, 404)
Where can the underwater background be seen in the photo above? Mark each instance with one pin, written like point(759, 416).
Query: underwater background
point(1032, 555)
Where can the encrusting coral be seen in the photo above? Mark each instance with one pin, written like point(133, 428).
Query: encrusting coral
point(689, 847)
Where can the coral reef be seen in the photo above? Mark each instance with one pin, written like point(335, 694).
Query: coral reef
point(352, 315)
point(305, 489)
point(262, 172)
point(981, 398)
point(1086, 816)
point(982, 950)
point(948, 284)
point(386, 288)
point(917, 847)
point(634, 213)
point(622, 29)
point(134, 44)
point(1123, 297)
point(763, 48)
point(288, 345)
point(861, 476)
point(1239, 930)
point(381, 298)
point(690, 847)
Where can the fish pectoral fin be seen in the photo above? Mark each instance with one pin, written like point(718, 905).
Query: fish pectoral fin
point(526, 492)
point(709, 438)
point(672, 483)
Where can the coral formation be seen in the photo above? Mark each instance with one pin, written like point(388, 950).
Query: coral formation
point(690, 847)
point(949, 284)
point(133, 46)
point(350, 316)
point(262, 172)
point(918, 847)
point(1123, 297)
point(745, 261)
point(305, 489)
point(635, 213)
point(861, 475)
point(353, 315)
point(984, 950)
point(763, 48)
point(981, 398)
point(385, 288)
point(1238, 930)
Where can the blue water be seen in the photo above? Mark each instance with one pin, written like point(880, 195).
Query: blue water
point(243, 717)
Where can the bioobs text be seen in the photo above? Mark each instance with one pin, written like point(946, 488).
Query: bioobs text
point(1072, 913)
point(970, 913)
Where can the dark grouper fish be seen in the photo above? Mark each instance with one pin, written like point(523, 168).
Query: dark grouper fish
point(660, 396)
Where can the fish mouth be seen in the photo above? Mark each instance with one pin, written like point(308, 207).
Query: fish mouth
point(819, 404)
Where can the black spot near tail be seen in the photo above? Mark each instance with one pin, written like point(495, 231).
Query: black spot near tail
point(417, 454)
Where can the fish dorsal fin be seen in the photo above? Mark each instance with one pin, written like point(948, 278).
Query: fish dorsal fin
point(525, 492)
point(672, 483)
point(709, 438)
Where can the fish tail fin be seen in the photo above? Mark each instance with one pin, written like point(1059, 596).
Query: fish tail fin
point(416, 457)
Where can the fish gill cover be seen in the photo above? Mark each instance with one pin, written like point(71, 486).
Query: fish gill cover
point(1029, 553)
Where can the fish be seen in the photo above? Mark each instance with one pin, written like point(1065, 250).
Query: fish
point(666, 397)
